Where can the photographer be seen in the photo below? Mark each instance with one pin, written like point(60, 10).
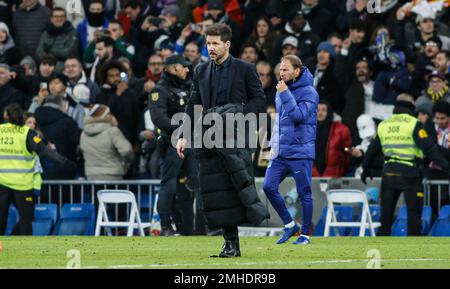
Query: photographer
point(168, 98)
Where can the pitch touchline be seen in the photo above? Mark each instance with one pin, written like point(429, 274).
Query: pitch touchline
point(257, 263)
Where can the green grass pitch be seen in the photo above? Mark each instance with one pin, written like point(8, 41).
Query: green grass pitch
point(194, 252)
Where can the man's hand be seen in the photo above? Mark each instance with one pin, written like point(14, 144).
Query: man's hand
point(42, 96)
point(347, 43)
point(121, 88)
point(366, 175)
point(281, 86)
point(181, 145)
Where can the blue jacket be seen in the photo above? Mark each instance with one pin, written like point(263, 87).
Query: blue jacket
point(294, 132)
point(82, 30)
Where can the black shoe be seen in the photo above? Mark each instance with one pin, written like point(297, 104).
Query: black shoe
point(230, 249)
point(169, 232)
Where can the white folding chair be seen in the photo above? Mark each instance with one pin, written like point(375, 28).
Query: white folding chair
point(349, 197)
point(118, 197)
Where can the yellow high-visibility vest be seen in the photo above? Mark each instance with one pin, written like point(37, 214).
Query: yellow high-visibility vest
point(16, 162)
point(397, 141)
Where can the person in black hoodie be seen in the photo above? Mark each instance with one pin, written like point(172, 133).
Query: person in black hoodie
point(59, 39)
point(9, 53)
point(122, 99)
point(60, 130)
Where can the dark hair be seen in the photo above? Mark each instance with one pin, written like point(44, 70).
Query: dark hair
point(114, 21)
point(335, 34)
point(133, 4)
point(96, 1)
point(59, 9)
point(222, 30)
point(446, 53)
point(108, 41)
point(442, 107)
point(196, 44)
point(49, 59)
point(15, 114)
point(294, 60)
point(358, 24)
point(247, 45)
point(112, 64)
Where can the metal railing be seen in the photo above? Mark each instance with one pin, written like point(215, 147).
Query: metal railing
point(442, 186)
point(62, 192)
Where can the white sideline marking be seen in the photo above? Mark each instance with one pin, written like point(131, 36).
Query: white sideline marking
point(138, 266)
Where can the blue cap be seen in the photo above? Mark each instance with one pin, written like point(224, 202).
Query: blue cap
point(326, 46)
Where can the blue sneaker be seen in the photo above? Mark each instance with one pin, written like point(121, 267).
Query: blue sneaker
point(302, 240)
point(288, 232)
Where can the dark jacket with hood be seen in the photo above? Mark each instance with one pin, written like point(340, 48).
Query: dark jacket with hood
point(227, 182)
point(61, 130)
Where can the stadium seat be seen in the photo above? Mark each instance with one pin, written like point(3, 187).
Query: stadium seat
point(13, 219)
point(400, 225)
point(375, 211)
point(343, 214)
point(441, 227)
point(45, 216)
point(76, 220)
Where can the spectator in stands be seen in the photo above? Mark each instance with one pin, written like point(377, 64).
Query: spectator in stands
point(437, 90)
point(107, 153)
point(215, 13)
point(9, 53)
point(249, 53)
point(155, 68)
point(171, 15)
point(333, 144)
point(57, 86)
point(440, 133)
point(351, 52)
point(105, 50)
point(298, 28)
point(144, 41)
point(289, 46)
point(442, 63)
point(319, 18)
point(322, 66)
point(424, 65)
point(62, 131)
point(29, 21)
point(264, 37)
point(122, 100)
point(46, 69)
point(336, 40)
point(79, 88)
point(135, 12)
point(8, 94)
point(193, 54)
point(367, 132)
point(411, 39)
point(59, 39)
point(118, 35)
point(95, 20)
point(392, 74)
point(267, 78)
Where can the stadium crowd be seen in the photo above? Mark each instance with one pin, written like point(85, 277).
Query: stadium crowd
point(84, 72)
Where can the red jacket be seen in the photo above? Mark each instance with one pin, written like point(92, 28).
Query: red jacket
point(337, 159)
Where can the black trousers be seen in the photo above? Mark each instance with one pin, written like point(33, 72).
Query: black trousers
point(24, 202)
point(391, 188)
point(171, 168)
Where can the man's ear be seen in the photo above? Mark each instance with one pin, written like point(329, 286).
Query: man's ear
point(297, 72)
point(228, 44)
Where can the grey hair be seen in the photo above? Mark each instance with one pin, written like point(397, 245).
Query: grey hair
point(405, 97)
point(5, 66)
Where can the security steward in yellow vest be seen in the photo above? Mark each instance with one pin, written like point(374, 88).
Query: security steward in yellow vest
point(19, 146)
point(403, 141)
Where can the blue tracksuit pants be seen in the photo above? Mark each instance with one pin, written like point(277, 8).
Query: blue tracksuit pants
point(301, 170)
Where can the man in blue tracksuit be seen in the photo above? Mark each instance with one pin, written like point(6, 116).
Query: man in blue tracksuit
point(293, 144)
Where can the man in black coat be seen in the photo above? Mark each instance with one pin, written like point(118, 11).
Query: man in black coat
point(226, 85)
point(8, 94)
